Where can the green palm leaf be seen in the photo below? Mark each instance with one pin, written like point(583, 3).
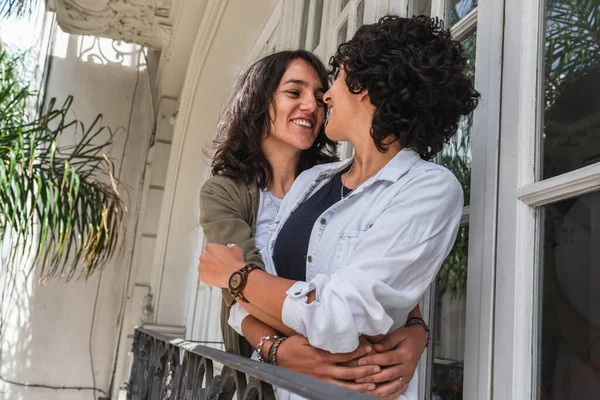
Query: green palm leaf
point(59, 204)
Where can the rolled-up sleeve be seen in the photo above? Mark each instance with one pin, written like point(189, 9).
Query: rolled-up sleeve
point(236, 316)
point(389, 269)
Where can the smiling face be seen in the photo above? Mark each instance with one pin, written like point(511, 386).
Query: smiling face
point(298, 110)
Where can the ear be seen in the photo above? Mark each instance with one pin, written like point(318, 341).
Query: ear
point(364, 96)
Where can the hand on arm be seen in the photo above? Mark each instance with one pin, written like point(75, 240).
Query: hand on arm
point(398, 354)
point(264, 291)
point(297, 355)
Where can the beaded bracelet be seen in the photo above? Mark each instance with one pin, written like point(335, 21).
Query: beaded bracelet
point(419, 321)
point(262, 342)
point(274, 348)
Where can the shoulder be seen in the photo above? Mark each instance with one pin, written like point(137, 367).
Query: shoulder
point(221, 184)
point(434, 181)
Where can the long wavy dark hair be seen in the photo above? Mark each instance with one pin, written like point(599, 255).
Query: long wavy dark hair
point(416, 77)
point(245, 119)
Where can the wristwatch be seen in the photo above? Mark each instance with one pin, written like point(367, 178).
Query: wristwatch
point(237, 282)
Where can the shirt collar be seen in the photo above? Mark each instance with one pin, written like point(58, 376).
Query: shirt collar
point(392, 171)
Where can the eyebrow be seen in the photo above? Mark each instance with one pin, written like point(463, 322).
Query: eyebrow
point(303, 83)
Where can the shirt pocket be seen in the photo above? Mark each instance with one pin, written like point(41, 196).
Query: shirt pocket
point(348, 242)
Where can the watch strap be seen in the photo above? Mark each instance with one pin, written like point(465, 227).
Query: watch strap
point(237, 293)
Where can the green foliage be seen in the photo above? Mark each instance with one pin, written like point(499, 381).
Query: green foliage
point(457, 158)
point(58, 204)
point(572, 43)
point(16, 8)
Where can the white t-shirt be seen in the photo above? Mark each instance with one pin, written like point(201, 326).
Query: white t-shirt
point(268, 207)
point(267, 210)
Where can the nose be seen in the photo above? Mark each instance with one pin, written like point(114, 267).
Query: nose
point(310, 104)
point(327, 97)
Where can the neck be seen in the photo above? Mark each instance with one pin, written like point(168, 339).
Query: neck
point(283, 160)
point(368, 160)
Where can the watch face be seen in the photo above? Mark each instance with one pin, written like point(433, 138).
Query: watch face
point(235, 280)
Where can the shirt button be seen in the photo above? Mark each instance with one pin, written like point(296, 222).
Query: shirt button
point(323, 221)
point(309, 258)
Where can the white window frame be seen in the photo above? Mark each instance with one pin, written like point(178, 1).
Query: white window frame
point(480, 272)
point(516, 340)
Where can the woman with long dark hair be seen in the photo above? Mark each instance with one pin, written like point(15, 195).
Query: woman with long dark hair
point(269, 132)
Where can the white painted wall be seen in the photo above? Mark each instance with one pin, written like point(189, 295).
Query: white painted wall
point(48, 332)
point(228, 33)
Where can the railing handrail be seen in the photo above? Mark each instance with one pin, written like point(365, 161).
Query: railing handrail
point(302, 385)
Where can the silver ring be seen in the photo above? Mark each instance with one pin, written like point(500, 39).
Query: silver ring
point(402, 380)
point(232, 245)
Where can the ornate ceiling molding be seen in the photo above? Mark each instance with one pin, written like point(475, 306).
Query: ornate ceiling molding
point(145, 22)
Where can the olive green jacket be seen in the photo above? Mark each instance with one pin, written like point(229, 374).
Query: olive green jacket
point(228, 212)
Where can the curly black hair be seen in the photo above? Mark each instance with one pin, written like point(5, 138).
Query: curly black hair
point(416, 77)
point(245, 117)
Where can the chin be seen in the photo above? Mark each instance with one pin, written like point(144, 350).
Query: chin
point(333, 135)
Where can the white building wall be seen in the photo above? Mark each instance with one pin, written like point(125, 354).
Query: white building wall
point(48, 337)
point(227, 36)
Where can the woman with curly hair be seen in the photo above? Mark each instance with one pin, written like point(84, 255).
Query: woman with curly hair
point(369, 234)
point(270, 131)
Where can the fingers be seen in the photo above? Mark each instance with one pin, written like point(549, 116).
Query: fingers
point(350, 373)
point(391, 357)
point(237, 250)
point(391, 341)
point(361, 350)
point(390, 390)
point(351, 363)
point(393, 372)
point(375, 339)
point(358, 387)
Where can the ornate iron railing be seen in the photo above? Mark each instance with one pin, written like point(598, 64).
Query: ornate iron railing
point(167, 369)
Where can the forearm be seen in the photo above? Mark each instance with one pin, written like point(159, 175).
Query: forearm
point(254, 330)
point(267, 293)
point(267, 319)
point(415, 313)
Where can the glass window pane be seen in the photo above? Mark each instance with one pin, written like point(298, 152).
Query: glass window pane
point(569, 354)
point(571, 104)
point(304, 24)
point(457, 9)
point(424, 7)
point(342, 33)
point(448, 336)
point(343, 4)
point(456, 155)
point(317, 25)
point(360, 14)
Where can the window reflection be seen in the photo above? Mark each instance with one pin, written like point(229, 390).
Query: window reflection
point(450, 288)
point(570, 340)
point(448, 337)
point(458, 9)
point(571, 131)
point(456, 155)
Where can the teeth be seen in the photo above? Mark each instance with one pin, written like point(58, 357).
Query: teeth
point(302, 122)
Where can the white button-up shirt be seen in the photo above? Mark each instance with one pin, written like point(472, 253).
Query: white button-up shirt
point(372, 255)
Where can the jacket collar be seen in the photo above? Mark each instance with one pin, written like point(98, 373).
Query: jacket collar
point(392, 171)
